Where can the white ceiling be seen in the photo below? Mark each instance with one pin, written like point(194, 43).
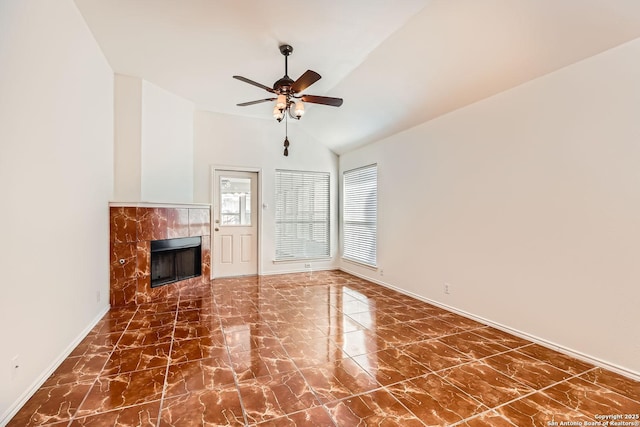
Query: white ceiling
point(396, 63)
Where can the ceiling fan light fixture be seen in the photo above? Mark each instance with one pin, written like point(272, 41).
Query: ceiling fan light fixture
point(277, 114)
point(281, 103)
point(299, 111)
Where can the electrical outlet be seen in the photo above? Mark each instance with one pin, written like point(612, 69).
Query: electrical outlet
point(15, 366)
point(446, 288)
point(98, 296)
point(307, 265)
point(382, 272)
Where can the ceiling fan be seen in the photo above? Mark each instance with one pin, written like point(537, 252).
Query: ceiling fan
point(289, 98)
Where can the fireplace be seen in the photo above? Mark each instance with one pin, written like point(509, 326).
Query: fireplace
point(132, 229)
point(173, 260)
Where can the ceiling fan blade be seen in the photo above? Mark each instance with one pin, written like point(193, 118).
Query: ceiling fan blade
point(244, 104)
point(251, 82)
point(304, 81)
point(324, 100)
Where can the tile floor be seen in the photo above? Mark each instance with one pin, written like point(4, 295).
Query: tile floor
point(318, 349)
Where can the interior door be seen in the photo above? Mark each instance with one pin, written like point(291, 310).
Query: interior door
point(235, 223)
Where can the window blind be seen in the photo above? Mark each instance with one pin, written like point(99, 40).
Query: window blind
point(302, 215)
point(359, 215)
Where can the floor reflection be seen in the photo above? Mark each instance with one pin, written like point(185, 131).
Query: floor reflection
point(326, 349)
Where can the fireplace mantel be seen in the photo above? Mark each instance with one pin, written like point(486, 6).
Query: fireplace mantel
point(159, 205)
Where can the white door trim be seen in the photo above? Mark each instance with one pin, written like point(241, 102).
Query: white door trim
point(213, 195)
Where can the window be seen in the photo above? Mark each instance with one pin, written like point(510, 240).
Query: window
point(302, 215)
point(235, 201)
point(359, 215)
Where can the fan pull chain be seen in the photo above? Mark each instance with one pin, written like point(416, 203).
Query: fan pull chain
point(286, 136)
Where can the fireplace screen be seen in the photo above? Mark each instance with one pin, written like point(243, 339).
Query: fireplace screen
point(173, 260)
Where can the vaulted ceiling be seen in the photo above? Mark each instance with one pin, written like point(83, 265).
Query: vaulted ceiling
point(395, 63)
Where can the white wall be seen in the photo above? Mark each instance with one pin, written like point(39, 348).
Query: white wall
point(528, 205)
point(127, 186)
point(223, 140)
point(153, 143)
point(56, 170)
point(167, 146)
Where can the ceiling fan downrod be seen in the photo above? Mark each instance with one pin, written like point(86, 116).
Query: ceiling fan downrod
point(283, 85)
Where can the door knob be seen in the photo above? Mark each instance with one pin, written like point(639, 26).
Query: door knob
point(216, 229)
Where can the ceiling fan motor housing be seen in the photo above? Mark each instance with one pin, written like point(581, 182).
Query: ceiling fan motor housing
point(283, 85)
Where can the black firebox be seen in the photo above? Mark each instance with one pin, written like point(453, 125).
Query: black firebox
point(173, 260)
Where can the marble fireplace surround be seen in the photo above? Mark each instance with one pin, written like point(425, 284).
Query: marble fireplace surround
point(132, 228)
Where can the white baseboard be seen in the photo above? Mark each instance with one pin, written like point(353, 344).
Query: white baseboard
point(19, 403)
point(541, 341)
point(288, 271)
point(298, 270)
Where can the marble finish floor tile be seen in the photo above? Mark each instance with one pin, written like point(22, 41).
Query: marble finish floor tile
point(488, 419)
point(78, 369)
point(261, 362)
point(270, 397)
point(206, 408)
point(202, 316)
point(435, 355)
point(319, 349)
point(137, 359)
point(557, 359)
point(97, 343)
point(119, 391)
point(434, 327)
point(51, 404)
point(191, 331)
point(435, 401)
point(378, 408)
point(315, 417)
point(461, 322)
point(373, 320)
point(359, 342)
point(500, 337)
point(313, 352)
point(202, 374)
point(151, 320)
point(539, 410)
point(590, 399)
point(145, 415)
point(144, 337)
point(248, 337)
point(615, 382)
point(485, 384)
point(390, 366)
point(338, 380)
point(473, 345)
point(532, 372)
point(195, 349)
point(408, 314)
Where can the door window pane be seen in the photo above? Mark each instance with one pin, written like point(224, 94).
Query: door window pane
point(235, 201)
